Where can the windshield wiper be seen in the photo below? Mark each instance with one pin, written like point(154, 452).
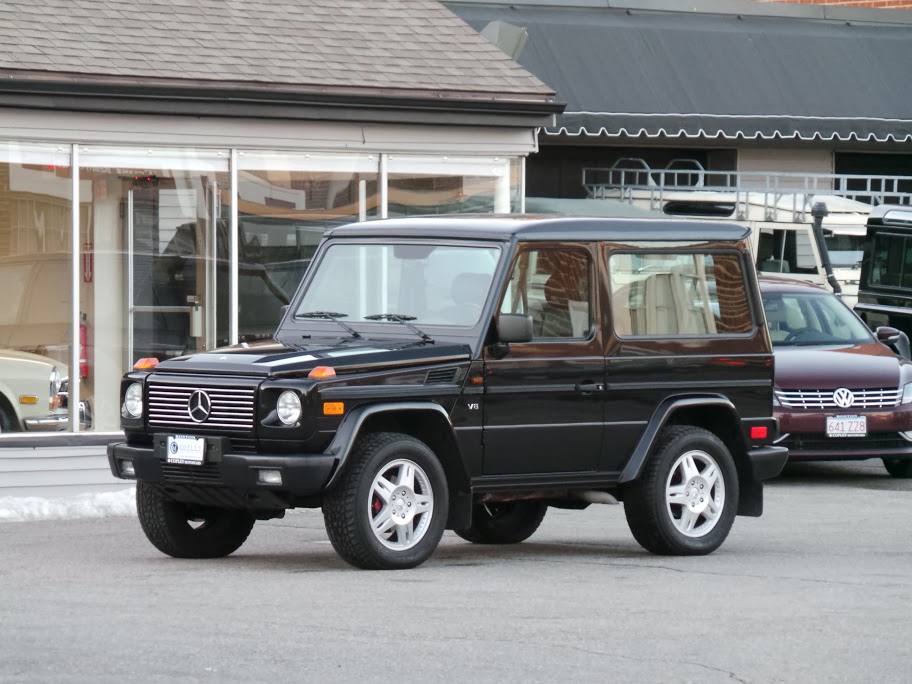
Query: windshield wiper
point(333, 316)
point(404, 319)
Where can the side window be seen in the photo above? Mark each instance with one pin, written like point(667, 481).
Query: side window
point(553, 286)
point(666, 294)
point(785, 251)
point(890, 266)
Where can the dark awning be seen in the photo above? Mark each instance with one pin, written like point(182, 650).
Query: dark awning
point(629, 73)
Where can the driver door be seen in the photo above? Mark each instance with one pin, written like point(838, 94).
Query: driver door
point(544, 400)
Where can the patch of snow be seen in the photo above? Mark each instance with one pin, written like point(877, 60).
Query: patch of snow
point(99, 505)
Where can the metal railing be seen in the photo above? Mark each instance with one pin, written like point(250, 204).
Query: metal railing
point(631, 180)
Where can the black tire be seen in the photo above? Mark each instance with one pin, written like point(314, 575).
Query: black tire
point(898, 467)
point(216, 532)
point(8, 420)
point(655, 523)
point(504, 523)
point(351, 507)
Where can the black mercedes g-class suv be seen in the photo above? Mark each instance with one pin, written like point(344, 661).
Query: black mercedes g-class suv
point(466, 374)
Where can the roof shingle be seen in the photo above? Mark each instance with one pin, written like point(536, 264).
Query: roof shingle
point(396, 44)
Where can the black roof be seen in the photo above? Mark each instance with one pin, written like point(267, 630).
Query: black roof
point(898, 215)
point(529, 227)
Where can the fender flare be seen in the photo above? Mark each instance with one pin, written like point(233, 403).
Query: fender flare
point(347, 434)
point(659, 419)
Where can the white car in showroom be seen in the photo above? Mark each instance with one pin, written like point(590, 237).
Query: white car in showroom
point(30, 397)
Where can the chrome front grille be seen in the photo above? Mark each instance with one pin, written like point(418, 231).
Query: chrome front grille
point(232, 408)
point(824, 399)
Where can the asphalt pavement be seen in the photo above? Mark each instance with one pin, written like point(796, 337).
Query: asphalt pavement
point(819, 589)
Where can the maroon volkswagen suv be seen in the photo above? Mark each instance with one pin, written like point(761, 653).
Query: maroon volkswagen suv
point(841, 393)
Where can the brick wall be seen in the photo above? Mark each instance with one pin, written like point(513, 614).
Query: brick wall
point(890, 4)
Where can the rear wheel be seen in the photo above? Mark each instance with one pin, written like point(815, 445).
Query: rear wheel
point(189, 531)
point(504, 523)
point(898, 467)
point(390, 508)
point(684, 502)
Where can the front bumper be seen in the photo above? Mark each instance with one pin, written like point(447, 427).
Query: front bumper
point(229, 480)
point(818, 447)
point(803, 433)
point(54, 422)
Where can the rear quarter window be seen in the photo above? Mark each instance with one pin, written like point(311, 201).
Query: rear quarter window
point(664, 294)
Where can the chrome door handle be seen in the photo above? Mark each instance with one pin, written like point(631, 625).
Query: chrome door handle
point(589, 387)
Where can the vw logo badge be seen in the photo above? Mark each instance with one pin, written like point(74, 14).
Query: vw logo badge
point(199, 406)
point(843, 398)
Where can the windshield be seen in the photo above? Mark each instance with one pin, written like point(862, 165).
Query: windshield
point(812, 318)
point(845, 251)
point(422, 284)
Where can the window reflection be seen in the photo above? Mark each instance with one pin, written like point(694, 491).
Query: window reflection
point(35, 227)
point(285, 204)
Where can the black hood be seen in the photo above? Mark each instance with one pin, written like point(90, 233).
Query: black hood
point(276, 359)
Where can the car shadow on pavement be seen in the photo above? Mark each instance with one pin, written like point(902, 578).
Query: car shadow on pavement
point(868, 474)
point(453, 552)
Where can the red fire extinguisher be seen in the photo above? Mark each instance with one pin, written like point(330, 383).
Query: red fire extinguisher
point(83, 348)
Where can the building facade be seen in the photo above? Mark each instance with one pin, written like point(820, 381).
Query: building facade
point(168, 168)
point(734, 86)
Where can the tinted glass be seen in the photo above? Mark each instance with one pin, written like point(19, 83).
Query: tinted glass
point(889, 266)
point(678, 294)
point(553, 286)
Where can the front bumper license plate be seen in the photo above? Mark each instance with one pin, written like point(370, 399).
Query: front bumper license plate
point(186, 449)
point(847, 426)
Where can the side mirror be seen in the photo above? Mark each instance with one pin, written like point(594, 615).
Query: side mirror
point(283, 311)
point(887, 335)
point(514, 328)
point(896, 339)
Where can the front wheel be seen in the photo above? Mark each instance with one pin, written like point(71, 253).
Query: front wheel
point(504, 523)
point(898, 467)
point(685, 501)
point(189, 531)
point(8, 420)
point(390, 509)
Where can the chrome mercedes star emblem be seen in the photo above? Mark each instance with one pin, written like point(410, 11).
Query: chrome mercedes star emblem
point(199, 405)
point(843, 398)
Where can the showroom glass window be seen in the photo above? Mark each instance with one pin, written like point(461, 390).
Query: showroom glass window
point(152, 268)
point(424, 184)
point(286, 201)
point(35, 255)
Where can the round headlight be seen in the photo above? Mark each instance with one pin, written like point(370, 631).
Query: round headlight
point(289, 407)
point(133, 400)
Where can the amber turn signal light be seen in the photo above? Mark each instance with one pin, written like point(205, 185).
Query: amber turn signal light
point(150, 362)
point(322, 372)
point(333, 408)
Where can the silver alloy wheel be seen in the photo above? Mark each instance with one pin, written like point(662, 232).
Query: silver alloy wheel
point(400, 504)
point(695, 493)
